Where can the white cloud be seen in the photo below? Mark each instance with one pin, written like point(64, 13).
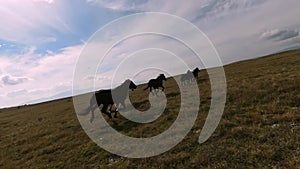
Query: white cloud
point(120, 5)
point(188, 9)
point(9, 80)
point(279, 35)
point(31, 76)
point(237, 35)
point(29, 21)
point(16, 93)
point(47, 1)
point(234, 26)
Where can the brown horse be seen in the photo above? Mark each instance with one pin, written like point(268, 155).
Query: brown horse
point(111, 97)
point(156, 83)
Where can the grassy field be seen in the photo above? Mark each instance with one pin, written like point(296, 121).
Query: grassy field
point(260, 127)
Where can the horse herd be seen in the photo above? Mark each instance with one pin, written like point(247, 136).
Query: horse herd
point(116, 97)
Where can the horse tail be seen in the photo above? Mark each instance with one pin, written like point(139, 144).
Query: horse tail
point(88, 109)
point(146, 87)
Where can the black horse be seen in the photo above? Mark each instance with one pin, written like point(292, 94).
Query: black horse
point(156, 83)
point(111, 97)
point(195, 72)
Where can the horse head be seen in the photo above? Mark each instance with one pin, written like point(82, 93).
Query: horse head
point(132, 86)
point(196, 70)
point(162, 77)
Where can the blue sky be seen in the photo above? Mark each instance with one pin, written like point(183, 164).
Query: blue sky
point(40, 40)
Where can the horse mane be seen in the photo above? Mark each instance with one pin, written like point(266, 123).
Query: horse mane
point(196, 69)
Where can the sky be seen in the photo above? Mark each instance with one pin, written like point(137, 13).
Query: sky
point(41, 40)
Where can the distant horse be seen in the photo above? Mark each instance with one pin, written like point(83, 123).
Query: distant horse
point(195, 72)
point(156, 83)
point(111, 97)
point(187, 77)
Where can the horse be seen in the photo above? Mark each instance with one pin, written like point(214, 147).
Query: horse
point(187, 77)
point(195, 72)
point(156, 83)
point(111, 97)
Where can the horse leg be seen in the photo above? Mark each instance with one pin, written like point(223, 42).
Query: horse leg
point(123, 105)
point(116, 110)
point(104, 110)
point(155, 92)
point(92, 114)
point(116, 114)
point(152, 91)
point(93, 108)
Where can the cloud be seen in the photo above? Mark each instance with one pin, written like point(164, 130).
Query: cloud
point(46, 1)
point(9, 80)
point(17, 93)
point(233, 26)
point(190, 10)
point(33, 22)
point(42, 76)
point(120, 5)
point(279, 35)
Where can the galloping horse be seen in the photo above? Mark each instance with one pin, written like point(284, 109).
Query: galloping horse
point(195, 72)
point(156, 83)
point(189, 76)
point(111, 97)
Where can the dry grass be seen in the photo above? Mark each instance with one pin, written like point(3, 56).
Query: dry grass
point(260, 127)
